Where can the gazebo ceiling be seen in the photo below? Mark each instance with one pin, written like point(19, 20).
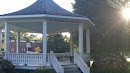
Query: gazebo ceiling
point(44, 7)
point(36, 27)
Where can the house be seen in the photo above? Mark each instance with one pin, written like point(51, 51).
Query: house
point(24, 46)
point(45, 16)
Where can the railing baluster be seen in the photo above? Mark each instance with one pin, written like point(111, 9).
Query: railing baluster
point(48, 58)
point(39, 59)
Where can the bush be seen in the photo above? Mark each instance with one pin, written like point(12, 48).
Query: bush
point(23, 71)
point(6, 67)
point(110, 64)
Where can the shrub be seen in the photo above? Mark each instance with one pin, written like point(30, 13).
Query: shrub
point(38, 50)
point(23, 71)
point(6, 66)
point(110, 64)
point(1, 71)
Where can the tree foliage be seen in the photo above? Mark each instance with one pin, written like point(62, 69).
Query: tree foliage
point(37, 50)
point(110, 64)
point(108, 34)
point(23, 35)
point(57, 43)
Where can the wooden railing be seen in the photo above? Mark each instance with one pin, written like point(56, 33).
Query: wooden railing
point(24, 58)
point(55, 63)
point(81, 64)
point(62, 54)
point(32, 58)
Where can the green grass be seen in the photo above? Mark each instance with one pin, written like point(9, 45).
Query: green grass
point(129, 67)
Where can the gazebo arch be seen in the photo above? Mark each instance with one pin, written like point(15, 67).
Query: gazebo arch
point(45, 16)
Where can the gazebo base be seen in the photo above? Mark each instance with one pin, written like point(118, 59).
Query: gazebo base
point(34, 67)
point(68, 67)
point(61, 62)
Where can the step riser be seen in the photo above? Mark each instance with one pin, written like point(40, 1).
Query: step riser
point(72, 72)
point(71, 69)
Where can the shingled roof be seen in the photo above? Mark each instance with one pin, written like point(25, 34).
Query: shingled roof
point(43, 7)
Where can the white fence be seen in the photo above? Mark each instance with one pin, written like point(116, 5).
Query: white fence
point(25, 58)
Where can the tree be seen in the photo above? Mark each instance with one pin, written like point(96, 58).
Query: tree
point(108, 36)
point(25, 36)
point(13, 35)
point(57, 43)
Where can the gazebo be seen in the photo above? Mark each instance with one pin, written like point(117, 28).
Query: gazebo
point(45, 16)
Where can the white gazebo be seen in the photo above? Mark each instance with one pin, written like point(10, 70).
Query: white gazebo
point(45, 16)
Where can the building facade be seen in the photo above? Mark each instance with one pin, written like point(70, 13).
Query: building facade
point(24, 47)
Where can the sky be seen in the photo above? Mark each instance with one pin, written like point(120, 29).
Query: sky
point(8, 6)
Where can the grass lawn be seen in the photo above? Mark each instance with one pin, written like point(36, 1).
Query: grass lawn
point(129, 67)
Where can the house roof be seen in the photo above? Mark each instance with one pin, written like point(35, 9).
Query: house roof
point(43, 7)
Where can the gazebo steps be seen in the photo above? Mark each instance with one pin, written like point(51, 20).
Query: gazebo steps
point(72, 68)
point(66, 63)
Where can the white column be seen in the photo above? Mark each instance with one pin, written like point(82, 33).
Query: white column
point(18, 42)
point(71, 43)
point(0, 39)
point(44, 42)
point(6, 45)
point(81, 40)
point(88, 44)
